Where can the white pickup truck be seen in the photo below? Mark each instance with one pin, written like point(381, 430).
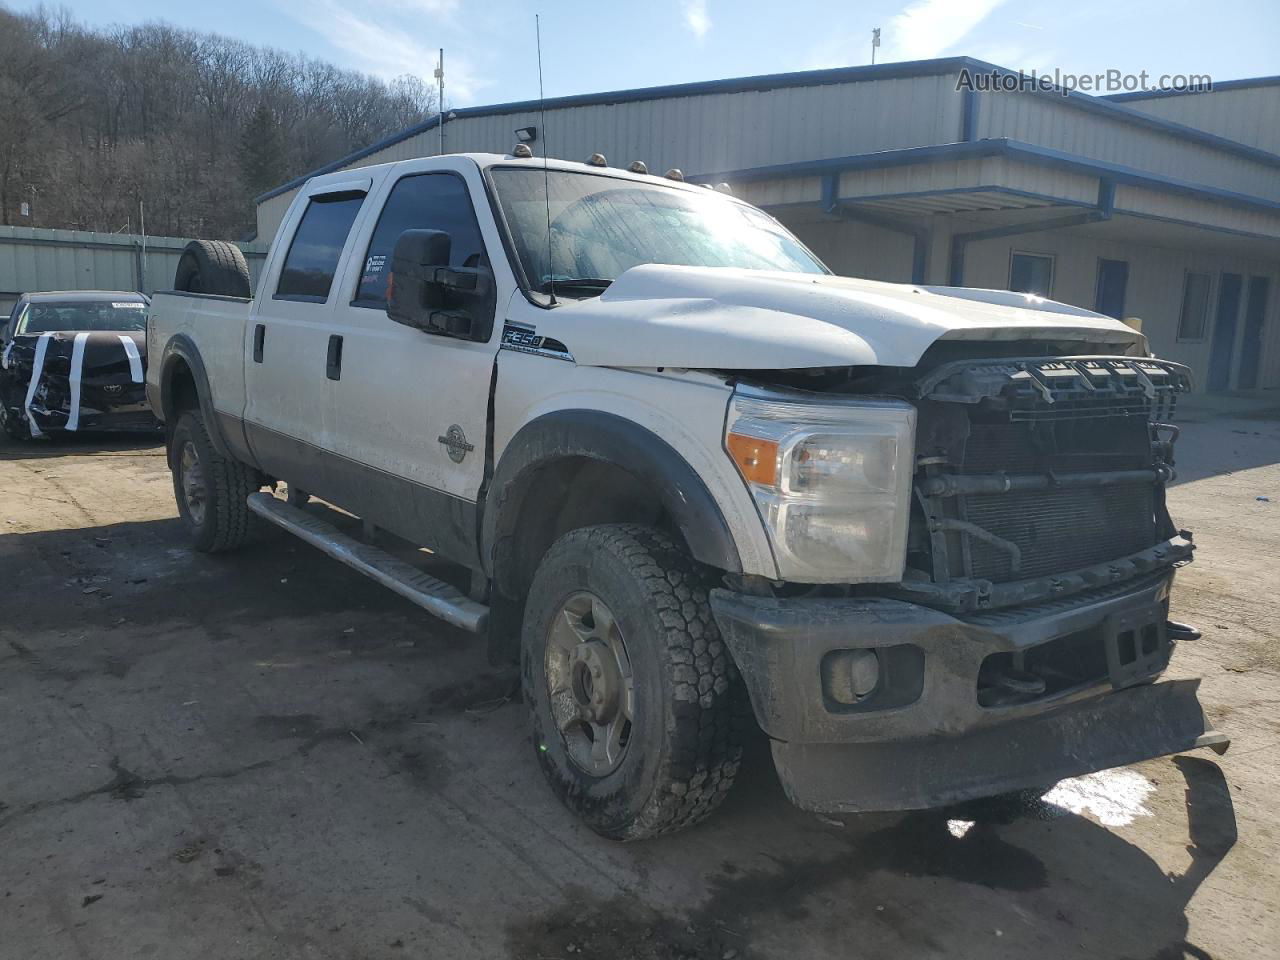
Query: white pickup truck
point(680, 467)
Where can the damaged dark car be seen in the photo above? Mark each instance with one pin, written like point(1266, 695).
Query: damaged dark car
point(75, 361)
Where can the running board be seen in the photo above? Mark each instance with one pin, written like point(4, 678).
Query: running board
point(435, 596)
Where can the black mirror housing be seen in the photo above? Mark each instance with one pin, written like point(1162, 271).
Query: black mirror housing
point(426, 293)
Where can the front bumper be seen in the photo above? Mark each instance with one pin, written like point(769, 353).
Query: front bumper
point(931, 733)
point(104, 408)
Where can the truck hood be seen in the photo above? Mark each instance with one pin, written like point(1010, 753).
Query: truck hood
point(720, 318)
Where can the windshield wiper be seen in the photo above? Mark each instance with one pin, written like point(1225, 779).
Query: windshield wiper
point(570, 284)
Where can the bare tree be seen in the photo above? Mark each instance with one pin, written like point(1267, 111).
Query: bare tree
point(194, 125)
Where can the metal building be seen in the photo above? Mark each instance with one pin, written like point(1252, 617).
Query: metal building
point(33, 259)
point(1161, 207)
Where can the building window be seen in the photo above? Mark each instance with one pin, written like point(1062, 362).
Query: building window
point(317, 246)
point(1031, 273)
point(1195, 306)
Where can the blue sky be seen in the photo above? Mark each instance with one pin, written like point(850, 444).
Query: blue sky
point(606, 45)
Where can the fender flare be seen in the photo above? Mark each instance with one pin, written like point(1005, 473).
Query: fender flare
point(606, 437)
point(182, 349)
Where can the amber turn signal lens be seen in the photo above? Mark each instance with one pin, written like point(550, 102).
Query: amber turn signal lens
point(757, 459)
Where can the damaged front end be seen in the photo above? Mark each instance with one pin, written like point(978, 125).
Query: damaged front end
point(1022, 641)
point(75, 381)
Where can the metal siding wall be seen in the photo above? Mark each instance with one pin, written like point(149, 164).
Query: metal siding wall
point(37, 259)
point(1194, 210)
point(1250, 115)
point(707, 133)
point(1040, 120)
point(1154, 290)
point(855, 249)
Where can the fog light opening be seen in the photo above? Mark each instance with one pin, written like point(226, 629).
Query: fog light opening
point(851, 676)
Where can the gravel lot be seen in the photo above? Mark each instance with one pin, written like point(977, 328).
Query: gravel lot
point(265, 755)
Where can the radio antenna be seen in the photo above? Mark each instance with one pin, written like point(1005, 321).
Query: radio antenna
point(546, 176)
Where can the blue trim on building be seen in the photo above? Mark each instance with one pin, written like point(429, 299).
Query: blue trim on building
point(1014, 149)
point(1244, 84)
point(1109, 107)
point(1103, 211)
point(1048, 199)
point(968, 114)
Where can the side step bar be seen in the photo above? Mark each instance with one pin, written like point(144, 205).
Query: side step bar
point(435, 596)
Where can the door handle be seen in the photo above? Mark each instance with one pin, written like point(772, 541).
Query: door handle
point(259, 338)
point(333, 363)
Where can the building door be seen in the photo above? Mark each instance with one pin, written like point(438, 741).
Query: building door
point(1225, 319)
point(1255, 312)
point(1113, 279)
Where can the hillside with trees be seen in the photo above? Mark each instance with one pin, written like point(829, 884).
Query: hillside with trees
point(192, 125)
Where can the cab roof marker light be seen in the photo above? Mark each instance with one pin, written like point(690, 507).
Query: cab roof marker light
point(597, 160)
point(675, 173)
point(521, 151)
point(638, 166)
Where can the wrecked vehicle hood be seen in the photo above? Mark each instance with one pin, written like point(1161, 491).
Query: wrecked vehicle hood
point(721, 318)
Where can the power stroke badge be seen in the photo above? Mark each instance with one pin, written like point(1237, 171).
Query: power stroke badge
point(455, 441)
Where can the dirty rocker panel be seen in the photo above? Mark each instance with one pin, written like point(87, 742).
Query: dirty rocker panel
point(420, 514)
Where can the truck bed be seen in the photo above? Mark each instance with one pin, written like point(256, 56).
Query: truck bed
point(216, 326)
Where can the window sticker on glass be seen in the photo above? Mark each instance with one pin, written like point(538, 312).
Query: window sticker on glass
point(373, 268)
point(128, 306)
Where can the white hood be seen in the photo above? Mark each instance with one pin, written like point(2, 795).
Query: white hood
point(729, 319)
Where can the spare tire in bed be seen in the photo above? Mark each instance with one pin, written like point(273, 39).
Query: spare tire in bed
point(212, 266)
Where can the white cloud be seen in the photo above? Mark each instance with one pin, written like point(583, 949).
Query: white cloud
point(696, 17)
point(928, 28)
point(379, 43)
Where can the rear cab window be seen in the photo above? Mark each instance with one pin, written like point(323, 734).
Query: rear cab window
point(420, 201)
point(316, 246)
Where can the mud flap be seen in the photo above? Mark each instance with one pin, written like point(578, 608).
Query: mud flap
point(1111, 730)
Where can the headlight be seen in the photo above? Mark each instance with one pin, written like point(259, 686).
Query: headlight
point(832, 479)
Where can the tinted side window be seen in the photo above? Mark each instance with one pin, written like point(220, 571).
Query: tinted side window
point(424, 201)
point(317, 245)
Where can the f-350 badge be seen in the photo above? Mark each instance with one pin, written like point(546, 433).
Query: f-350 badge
point(455, 441)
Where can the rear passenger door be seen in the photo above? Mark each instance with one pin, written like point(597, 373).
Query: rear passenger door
point(403, 392)
point(288, 415)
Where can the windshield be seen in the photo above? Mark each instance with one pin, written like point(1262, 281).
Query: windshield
point(114, 315)
point(601, 226)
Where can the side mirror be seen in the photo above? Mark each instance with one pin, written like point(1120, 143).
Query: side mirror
point(426, 293)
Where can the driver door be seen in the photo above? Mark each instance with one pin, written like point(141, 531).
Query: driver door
point(411, 407)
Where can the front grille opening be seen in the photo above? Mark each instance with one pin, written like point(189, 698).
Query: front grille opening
point(1063, 664)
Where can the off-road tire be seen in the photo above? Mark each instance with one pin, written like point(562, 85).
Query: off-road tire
point(691, 712)
point(228, 522)
point(212, 266)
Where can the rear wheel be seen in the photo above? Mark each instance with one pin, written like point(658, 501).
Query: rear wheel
point(635, 703)
point(212, 266)
point(210, 489)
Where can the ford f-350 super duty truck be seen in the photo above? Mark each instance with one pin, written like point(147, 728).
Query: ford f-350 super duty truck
point(686, 476)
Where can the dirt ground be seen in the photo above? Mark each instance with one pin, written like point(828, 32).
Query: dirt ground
point(265, 755)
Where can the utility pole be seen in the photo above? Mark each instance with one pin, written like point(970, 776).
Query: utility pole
point(440, 81)
point(142, 262)
point(875, 43)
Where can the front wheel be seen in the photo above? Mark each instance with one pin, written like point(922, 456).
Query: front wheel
point(636, 706)
point(15, 424)
point(210, 489)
